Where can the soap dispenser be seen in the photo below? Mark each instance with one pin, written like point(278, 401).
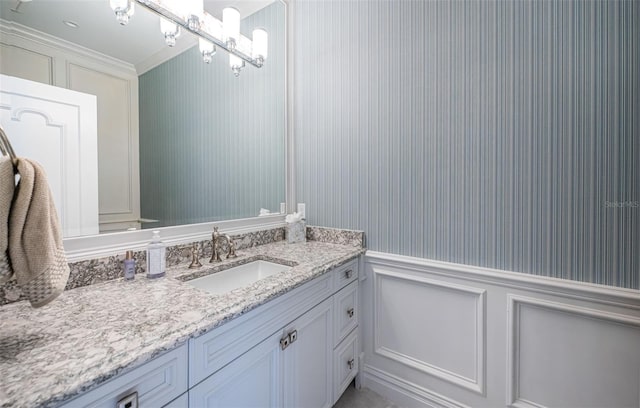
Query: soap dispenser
point(155, 257)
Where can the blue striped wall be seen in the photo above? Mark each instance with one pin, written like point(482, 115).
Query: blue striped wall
point(502, 134)
point(211, 144)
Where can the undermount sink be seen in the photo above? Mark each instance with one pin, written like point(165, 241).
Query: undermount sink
point(237, 277)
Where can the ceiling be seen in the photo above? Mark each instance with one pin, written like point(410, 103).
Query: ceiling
point(98, 29)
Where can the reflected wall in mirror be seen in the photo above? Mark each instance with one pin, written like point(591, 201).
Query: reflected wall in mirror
point(221, 126)
point(208, 147)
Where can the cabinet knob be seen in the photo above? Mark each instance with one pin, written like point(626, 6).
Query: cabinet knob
point(351, 363)
point(350, 312)
point(348, 273)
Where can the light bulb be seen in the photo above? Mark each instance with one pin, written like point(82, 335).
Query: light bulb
point(170, 30)
point(231, 26)
point(236, 64)
point(207, 49)
point(124, 10)
point(260, 45)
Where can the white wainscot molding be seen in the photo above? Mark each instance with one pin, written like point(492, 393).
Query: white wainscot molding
point(451, 335)
point(565, 355)
point(432, 326)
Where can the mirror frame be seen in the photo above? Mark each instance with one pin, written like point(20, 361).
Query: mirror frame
point(97, 246)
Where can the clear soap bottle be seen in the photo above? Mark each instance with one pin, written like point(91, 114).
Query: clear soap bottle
point(155, 257)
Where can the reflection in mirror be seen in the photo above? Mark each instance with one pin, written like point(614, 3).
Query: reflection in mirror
point(179, 141)
point(207, 150)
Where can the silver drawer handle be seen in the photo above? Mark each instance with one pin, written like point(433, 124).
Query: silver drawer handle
point(129, 401)
point(351, 363)
point(287, 340)
point(348, 273)
point(284, 342)
point(350, 312)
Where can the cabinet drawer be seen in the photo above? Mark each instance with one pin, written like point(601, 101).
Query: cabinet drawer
point(345, 274)
point(345, 311)
point(156, 383)
point(345, 364)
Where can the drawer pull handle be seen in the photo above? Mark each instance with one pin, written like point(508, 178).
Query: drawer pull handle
point(348, 273)
point(351, 363)
point(351, 312)
point(129, 401)
point(287, 340)
point(284, 342)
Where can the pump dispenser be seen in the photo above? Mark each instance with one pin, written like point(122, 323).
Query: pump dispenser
point(155, 257)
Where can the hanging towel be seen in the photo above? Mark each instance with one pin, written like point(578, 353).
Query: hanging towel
point(35, 237)
point(7, 185)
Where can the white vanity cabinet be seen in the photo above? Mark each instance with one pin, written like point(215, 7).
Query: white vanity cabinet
point(297, 350)
point(297, 363)
point(308, 360)
point(278, 373)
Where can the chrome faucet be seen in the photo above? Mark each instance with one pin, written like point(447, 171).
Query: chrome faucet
point(215, 252)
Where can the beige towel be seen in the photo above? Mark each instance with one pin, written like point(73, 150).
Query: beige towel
point(35, 237)
point(7, 185)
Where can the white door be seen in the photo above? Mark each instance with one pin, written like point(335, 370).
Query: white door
point(309, 360)
point(253, 380)
point(57, 128)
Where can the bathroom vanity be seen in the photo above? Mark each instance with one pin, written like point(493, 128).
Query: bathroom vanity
point(290, 339)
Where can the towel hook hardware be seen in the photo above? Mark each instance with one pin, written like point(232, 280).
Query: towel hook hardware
point(7, 149)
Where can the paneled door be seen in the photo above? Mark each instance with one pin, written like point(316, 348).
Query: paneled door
point(57, 127)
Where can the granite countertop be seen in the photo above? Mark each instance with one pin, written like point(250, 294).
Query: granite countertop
point(93, 333)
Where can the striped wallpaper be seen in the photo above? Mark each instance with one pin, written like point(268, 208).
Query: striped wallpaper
point(211, 144)
point(503, 134)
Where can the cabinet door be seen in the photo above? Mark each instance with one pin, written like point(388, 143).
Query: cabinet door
point(253, 380)
point(308, 360)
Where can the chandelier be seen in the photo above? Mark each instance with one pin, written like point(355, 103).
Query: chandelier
point(189, 15)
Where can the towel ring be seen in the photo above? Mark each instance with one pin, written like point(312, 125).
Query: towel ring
point(7, 149)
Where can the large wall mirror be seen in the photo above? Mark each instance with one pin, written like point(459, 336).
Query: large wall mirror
point(179, 141)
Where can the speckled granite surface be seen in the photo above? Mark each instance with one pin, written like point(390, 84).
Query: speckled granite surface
point(96, 332)
point(99, 270)
point(336, 236)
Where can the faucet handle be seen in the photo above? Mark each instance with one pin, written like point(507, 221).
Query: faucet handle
point(195, 257)
point(232, 248)
point(215, 255)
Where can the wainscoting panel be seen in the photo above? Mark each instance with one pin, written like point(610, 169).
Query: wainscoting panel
point(454, 348)
point(452, 335)
point(563, 355)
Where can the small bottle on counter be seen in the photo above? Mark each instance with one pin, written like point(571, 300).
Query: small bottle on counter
point(155, 257)
point(129, 266)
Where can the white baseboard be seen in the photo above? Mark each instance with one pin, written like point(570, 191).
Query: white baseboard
point(404, 393)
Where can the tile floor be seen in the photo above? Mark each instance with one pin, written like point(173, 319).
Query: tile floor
point(364, 398)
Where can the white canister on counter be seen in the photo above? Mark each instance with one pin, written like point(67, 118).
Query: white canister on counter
point(155, 257)
point(296, 228)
